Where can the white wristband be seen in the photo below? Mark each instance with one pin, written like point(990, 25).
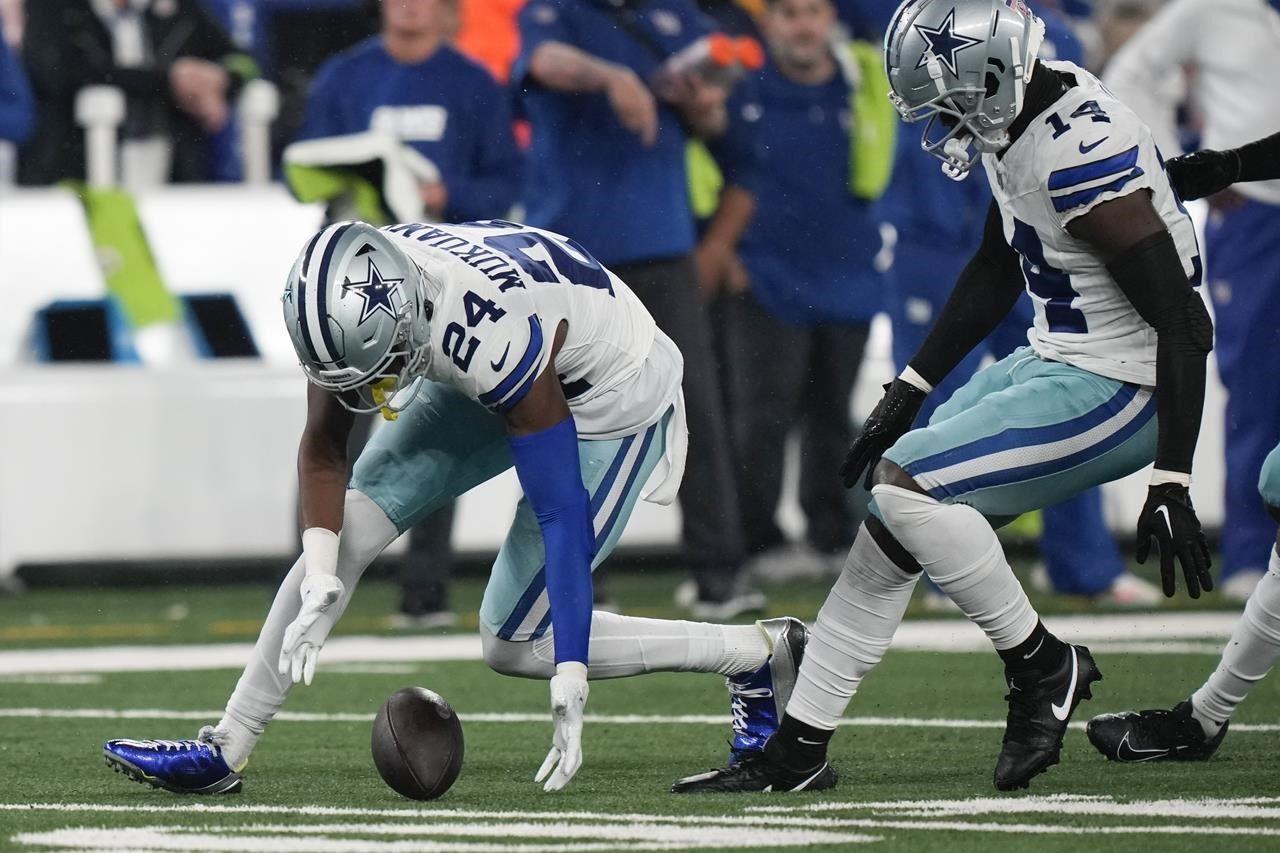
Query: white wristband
point(910, 377)
point(320, 551)
point(572, 668)
point(1159, 478)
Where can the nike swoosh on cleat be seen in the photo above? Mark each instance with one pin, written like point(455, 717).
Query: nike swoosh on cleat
point(809, 742)
point(1085, 149)
point(1164, 510)
point(1028, 655)
point(1137, 754)
point(1063, 711)
point(497, 365)
point(806, 782)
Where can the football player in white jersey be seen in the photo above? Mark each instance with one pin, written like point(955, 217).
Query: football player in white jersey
point(1085, 219)
point(486, 345)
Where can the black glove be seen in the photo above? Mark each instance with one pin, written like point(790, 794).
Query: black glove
point(888, 422)
point(1203, 173)
point(1169, 519)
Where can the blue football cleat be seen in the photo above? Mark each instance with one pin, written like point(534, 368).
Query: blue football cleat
point(757, 699)
point(180, 766)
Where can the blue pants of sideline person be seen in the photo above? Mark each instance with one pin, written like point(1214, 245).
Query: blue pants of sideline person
point(1243, 258)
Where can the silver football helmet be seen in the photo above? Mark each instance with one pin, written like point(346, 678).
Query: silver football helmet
point(357, 309)
point(964, 65)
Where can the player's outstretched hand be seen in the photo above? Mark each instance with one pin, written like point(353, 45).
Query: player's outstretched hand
point(1169, 519)
point(1203, 173)
point(568, 703)
point(306, 634)
point(889, 420)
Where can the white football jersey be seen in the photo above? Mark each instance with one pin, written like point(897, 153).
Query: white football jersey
point(506, 289)
point(1085, 149)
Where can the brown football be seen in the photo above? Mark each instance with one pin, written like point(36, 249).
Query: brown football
point(417, 743)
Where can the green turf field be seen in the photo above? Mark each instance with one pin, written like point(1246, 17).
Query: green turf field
point(915, 759)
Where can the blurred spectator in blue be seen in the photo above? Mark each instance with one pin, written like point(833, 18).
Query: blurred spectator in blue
point(938, 223)
point(410, 82)
point(607, 167)
point(799, 328)
point(175, 64)
point(17, 108)
point(733, 17)
point(1224, 58)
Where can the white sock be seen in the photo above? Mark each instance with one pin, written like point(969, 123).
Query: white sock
point(1248, 657)
point(630, 645)
point(961, 553)
point(366, 531)
point(853, 631)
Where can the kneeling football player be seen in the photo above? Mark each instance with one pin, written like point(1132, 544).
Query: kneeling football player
point(486, 345)
point(1086, 219)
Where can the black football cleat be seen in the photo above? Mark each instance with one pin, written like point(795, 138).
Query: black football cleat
point(757, 773)
point(1157, 735)
point(1040, 706)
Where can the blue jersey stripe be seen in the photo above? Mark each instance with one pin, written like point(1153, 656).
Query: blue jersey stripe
point(321, 306)
point(518, 373)
point(1024, 473)
point(1086, 172)
point(1026, 436)
point(301, 285)
point(1064, 203)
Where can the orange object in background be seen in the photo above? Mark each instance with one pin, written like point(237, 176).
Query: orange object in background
point(488, 34)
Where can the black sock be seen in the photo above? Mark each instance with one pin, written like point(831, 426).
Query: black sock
point(1041, 652)
point(798, 746)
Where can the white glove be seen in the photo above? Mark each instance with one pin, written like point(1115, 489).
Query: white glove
point(306, 634)
point(568, 702)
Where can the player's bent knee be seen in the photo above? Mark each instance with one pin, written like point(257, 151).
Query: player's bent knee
point(518, 659)
point(891, 474)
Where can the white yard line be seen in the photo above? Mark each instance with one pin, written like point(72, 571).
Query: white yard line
point(522, 717)
point(387, 829)
point(1254, 808)
point(1172, 633)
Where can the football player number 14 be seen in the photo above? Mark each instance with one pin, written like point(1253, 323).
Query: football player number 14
point(1047, 283)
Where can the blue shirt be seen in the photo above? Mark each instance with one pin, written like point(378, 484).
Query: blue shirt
point(17, 107)
point(810, 246)
point(447, 107)
point(589, 177)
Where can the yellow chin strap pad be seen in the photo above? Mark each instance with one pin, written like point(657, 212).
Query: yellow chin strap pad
point(382, 392)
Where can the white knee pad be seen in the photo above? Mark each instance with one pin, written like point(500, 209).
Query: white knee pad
point(959, 550)
point(519, 659)
point(366, 532)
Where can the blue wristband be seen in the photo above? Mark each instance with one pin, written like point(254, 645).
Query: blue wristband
point(551, 476)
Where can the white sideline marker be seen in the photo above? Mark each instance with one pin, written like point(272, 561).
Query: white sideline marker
point(1150, 633)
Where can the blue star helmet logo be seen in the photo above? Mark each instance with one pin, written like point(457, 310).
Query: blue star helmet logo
point(944, 42)
point(376, 293)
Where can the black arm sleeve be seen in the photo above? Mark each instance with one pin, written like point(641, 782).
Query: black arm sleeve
point(987, 288)
point(1260, 161)
point(1151, 276)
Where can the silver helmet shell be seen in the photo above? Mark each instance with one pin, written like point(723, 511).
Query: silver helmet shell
point(964, 65)
point(356, 308)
